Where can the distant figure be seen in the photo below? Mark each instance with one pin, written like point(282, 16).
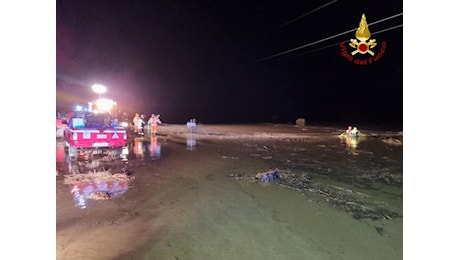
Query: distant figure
point(349, 130)
point(153, 123)
point(135, 119)
point(354, 132)
point(140, 125)
point(191, 124)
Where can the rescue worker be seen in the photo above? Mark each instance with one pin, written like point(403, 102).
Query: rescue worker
point(140, 125)
point(153, 122)
point(349, 130)
point(354, 132)
point(135, 119)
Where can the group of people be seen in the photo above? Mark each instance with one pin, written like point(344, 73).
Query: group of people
point(352, 131)
point(152, 122)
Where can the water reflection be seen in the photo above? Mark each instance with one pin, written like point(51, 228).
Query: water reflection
point(97, 190)
point(143, 147)
point(90, 160)
point(138, 148)
point(154, 148)
point(352, 143)
point(191, 142)
point(88, 177)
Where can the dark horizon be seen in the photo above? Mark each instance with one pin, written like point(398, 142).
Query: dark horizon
point(211, 60)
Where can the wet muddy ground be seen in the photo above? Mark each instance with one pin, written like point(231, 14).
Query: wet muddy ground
point(196, 196)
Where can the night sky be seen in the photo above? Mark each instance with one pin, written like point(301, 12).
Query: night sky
point(223, 61)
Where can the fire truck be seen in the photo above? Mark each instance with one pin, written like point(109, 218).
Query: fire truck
point(94, 132)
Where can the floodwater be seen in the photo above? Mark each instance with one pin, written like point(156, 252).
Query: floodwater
point(195, 196)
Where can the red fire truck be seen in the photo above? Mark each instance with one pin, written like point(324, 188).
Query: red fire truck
point(94, 131)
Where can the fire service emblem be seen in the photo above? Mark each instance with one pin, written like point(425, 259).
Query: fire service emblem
point(363, 44)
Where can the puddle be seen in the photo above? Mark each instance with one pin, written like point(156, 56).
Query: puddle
point(96, 190)
point(103, 175)
point(142, 148)
point(333, 201)
point(89, 165)
point(137, 149)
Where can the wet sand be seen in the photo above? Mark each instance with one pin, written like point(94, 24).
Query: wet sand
point(187, 204)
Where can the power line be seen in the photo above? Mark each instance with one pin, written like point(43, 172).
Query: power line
point(337, 43)
point(297, 18)
point(388, 29)
point(325, 39)
point(384, 19)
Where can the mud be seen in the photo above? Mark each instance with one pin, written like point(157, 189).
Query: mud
point(196, 196)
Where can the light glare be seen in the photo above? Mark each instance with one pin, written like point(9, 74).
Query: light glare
point(99, 89)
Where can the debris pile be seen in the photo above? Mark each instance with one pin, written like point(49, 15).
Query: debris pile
point(269, 176)
point(100, 195)
point(392, 141)
point(360, 205)
point(97, 177)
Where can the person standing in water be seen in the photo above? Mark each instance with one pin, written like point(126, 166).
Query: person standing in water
point(349, 130)
point(135, 119)
point(153, 122)
point(140, 125)
point(354, 132)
